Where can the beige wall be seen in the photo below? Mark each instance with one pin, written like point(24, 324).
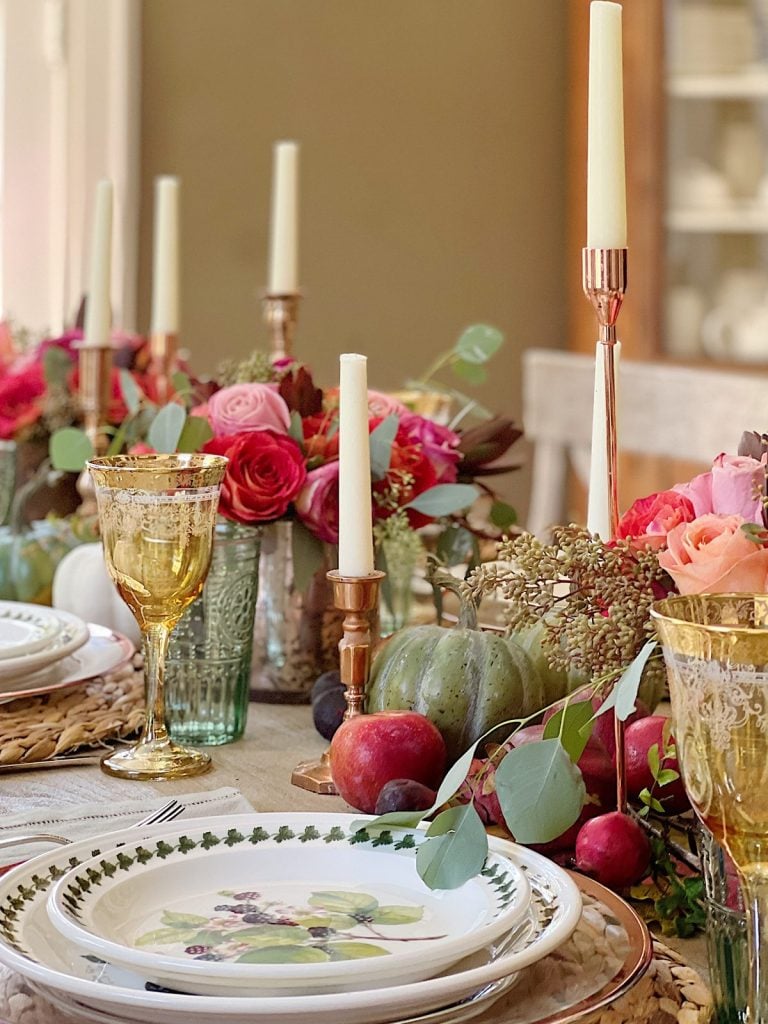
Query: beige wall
point(432, 183)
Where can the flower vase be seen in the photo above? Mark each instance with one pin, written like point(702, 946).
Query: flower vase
point(297, 631)
point(208, 667)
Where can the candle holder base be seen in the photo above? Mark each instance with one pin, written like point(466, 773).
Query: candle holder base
point(281, 313)
point(163, 352)
point(315, 776)
point(95, 391)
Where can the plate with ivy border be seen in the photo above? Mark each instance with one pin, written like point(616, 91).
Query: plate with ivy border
point(292, 910)
point(31, 946)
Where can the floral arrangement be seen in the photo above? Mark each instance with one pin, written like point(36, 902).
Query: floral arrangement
point(589, 603)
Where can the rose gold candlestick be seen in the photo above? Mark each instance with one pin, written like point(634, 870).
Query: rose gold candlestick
point(95, 392)
point(605, 283)
point(281, 313)
point(163, 349)
point(358, 598)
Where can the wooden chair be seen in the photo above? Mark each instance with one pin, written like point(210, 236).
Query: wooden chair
point(664, 410)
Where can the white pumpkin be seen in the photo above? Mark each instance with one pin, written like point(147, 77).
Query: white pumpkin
point(83, 587)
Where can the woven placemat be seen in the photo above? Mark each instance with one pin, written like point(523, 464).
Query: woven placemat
point(76, 718)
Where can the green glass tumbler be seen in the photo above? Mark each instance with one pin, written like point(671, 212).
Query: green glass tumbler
point(208, 668)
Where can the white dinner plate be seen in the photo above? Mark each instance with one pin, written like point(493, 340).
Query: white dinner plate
point(104, 652)
point(72, 635)
point(25, 628)
point(292, 909)
point(31, 946)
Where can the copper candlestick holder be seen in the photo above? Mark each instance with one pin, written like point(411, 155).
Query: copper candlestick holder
point(605, 283)
point(358, 598)
point(281, 314)
point(163, 352)
point(95, 392)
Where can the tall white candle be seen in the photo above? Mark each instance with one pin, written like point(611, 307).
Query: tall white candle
point(283, 253)
point(599, 500)
point(606, 185)
point(98, 311)
point(355, 521)
point(165, 265)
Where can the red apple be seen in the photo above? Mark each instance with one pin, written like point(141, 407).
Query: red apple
point(613, 849)
point(638, 739)
point(369, 750)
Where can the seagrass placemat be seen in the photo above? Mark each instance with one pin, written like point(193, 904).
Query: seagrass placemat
point(37, 728)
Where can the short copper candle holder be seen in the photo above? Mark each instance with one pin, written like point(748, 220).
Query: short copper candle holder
point(358, 598)
point(95, 393)
point(163, 355)
point(281, 314)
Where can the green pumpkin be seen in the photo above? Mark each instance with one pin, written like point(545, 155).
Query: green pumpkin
point(28, 559)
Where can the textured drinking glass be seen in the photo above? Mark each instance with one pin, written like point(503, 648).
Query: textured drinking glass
point(716, 652)
point(208, 668)
point(157, 515)
point(7, 477)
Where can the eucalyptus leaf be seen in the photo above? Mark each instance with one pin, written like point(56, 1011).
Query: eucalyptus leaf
point(196, 431)
point(478, 343)
point(131, 392)
point(56, 366)
point(623, 696)
point(180, 382)
point(455, 849)
point(380, 441)
point(473, 373)
point(296, 430)
point(166, 428)
point(118, 441)
point(502, 515)
point(444, 499)
point(70, 449)
point(308, 555)
point(453, 545)
point(576, 722)
point(541, 791)
point(391, 820)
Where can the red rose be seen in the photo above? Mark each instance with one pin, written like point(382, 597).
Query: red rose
point(650, 519)
point(265, 473)
point(19, 405)
point(319, 440)
point(410, 472)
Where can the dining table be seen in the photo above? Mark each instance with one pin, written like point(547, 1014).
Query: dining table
point(259, 766)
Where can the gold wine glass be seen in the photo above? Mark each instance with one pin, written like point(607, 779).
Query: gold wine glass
point(716, 652)
point(157, 515)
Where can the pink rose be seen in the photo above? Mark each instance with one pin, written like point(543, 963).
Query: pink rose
point(734, 486)
point(383, 405)
point(439, 444)
point(649, 520)
point(141, 448)
point(244, 407)
point(318, 502)
point(713, 555)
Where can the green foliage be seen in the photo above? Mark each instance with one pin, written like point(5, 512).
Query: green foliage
point(56, 367)
point(69, 449)
point(457, 851)
point(444, 499)
point(308, 555)
point(477, 344)
point(132, 393)
point(502, 515)
point(195, 432)
point(541, 791)
point(166, 428)
point(381, 446)
point(623, 696)
point(572, 725)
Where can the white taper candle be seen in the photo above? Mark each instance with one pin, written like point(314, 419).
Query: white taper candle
point(283, 254)
point(165, 264)
point(606, 185)
point(355, 520)
point(98, 309)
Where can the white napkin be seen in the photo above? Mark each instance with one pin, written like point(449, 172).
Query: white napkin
point(78, 821)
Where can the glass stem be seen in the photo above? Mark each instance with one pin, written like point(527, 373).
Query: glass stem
point(755, 887)
point(155, 649)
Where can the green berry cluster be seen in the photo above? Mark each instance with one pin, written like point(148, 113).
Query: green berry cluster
point(591, 598)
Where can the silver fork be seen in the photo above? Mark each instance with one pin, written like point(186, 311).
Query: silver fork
point(167, 812)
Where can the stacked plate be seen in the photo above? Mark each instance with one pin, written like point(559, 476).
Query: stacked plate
point(43, 649)
point(277, 918)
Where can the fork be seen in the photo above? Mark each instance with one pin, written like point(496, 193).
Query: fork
point(168, 812)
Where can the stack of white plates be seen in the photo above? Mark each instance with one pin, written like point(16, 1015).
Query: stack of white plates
point(43, 649)
point(276, 918)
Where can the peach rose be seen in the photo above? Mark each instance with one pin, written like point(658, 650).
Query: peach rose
point(713, 555)
point(242, 407)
